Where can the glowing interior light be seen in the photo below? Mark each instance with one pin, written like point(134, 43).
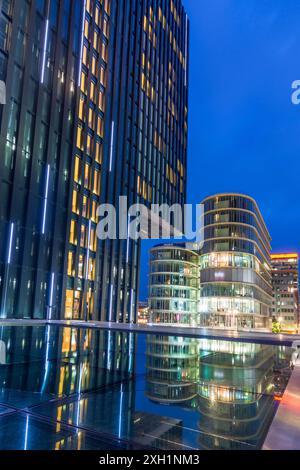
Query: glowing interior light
point(81, 43)
point(11, 234)
point(112, 137)
point(45, 51)
point(46, 199)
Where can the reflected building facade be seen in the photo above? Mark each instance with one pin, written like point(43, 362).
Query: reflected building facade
point(81, 388)
point(93, 368)
point(172, 369)
point(235, 394)
point(230, 386)
point(97, 108)
point(68, 388)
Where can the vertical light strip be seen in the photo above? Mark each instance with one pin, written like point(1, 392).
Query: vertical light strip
point(88, 251)
point(26, 433)
point(186, 49)
point(81, 44)
point(127, 247)
point(11, 235)
point(109, 351)
point(110, 301)
point(47, 339)
point(131, 305)
point(120, 411)
point(51, 296)
point(45, 51)
point(79, 395)
point(112, 138)
point(131, 352)
point(46, 199)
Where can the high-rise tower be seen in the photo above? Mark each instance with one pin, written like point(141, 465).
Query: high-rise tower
point(96, 108)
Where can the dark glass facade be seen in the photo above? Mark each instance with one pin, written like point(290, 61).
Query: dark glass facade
point(96, 109)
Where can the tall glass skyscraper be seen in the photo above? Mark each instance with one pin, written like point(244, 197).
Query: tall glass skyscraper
point(97, 107)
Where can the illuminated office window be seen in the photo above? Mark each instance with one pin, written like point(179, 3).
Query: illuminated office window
point(85, 207)
point(75, 202)
point(89, 144)
point(87, 176)
point(82, 236)
point(94, 61)
point(71, 271)
point(80, 266)
point(77, 170)
point(81, 109)
point(101, 102)
point(100, 127)
point(85, 56)
point(91, 121)
point(93, 92)
point(107, 6)
point(96, 188)
point(105, 28)
point(98, 152)
point(86, 29)
point(73, 232)
point(94, 211)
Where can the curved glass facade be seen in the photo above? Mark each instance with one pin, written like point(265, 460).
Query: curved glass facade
point(234, 393)
point(235, 284)
point(172, 368)
point(230, 386)
point(174, 285)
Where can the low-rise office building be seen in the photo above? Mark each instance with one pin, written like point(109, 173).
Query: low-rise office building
point(227, 283)
point(174, 285)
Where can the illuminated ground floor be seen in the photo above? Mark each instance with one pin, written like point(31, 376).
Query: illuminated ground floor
point(234, 321)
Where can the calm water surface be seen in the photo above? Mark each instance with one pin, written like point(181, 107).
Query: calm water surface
point(69, 388)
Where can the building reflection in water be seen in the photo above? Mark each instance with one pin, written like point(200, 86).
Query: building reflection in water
point(80, 388)
point(76, 388)
point(69, 376)
point(230, 384)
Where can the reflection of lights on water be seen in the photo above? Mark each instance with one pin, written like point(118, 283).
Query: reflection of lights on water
point(218, 374)
point(26, 433)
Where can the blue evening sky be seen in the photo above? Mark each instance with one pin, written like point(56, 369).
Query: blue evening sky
point(244, 132)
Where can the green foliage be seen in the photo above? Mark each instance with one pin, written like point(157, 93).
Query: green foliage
point(276, 327)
